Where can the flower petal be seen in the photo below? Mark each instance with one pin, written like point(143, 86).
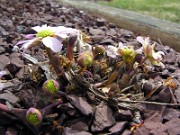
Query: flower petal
point(39, 28)
point(28, 43)
point(21, 42)
point(156, 63)
point(64, 32)
point(147, 41)
point(120, 45)
point(53, 43)
point(158, 55)
point(140, 40)
point(2, 73)
point(29, 36)
point(63, 36)
point(139, 51)
point(111, 51)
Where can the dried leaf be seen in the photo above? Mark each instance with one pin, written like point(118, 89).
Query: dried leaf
point(105, 89)
point(124, 81)
point(44, 65)
point(10, 107)
point(30, 58)
point(170, 83)
point(152, 91)
point(113, 76)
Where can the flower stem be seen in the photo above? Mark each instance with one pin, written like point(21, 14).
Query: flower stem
point(143, 60)
point(13, 110)
point(47, 108)
point(70, 52)
point(81, 70)
point(55, 62)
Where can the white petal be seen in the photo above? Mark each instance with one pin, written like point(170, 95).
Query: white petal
point(147, 41)
point(63, 36)
point(28, 43)
point(64, 30)
point(21, 42)
point(139, 51)
point(141, 40)
point(40, 28)
point(158, 55)
point(161, 52)
point(29, 36)
point(2, 73)
point(111, 51)
point(120, 45)
point(52, 43)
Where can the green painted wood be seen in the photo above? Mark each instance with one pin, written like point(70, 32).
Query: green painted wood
point(167, 32)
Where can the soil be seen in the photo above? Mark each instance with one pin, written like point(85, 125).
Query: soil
point(81, 112)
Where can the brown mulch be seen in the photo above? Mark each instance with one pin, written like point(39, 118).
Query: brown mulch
point(85, 114)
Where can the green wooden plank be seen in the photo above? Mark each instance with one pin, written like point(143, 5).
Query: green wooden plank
point(167, 32)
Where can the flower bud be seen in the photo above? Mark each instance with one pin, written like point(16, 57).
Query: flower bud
point(33, 116)
point(50, 86)
point(72, 40)
point(99, 50)
point(138, 58)
point(85, 59)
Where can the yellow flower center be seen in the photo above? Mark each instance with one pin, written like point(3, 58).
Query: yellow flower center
point(127, 53)
point(44, 33)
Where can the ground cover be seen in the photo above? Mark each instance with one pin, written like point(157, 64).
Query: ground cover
point(162, 9)
point(107, 90)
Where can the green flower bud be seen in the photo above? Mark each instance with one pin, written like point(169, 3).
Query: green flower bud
point(33, 116)
point(50, 86)
point(99, 50)
point(85, 59)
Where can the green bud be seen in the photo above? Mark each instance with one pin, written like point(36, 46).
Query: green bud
point(50, 86)
point(85, 59)
point(99, 50)
point(33, 116)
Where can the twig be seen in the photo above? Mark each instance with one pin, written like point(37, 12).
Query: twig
point(127, 88)
point(147, 102)
point(92, 89)
point(172, 95)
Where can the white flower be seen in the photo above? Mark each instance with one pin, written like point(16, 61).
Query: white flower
point(112, 51)
point(147, 47)
point(51, 37)
point(154, 57)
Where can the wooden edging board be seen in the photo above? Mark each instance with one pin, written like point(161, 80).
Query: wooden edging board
point(167, 32)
